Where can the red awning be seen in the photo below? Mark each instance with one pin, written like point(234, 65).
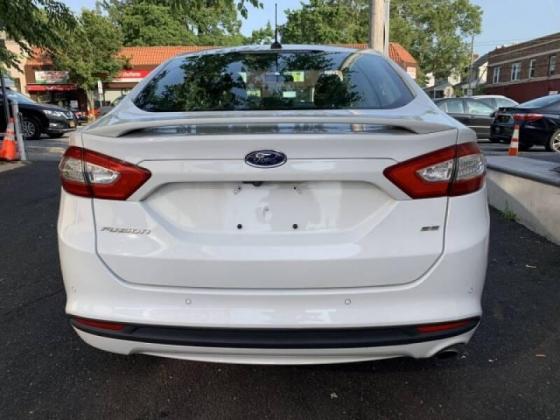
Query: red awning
point(49, 88)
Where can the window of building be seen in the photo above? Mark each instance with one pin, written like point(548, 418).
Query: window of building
point(515, 71)
point(496, 75)
point(532, 68)
point(552, 65)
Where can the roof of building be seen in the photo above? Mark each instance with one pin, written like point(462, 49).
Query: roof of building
point(150, 56)
point(153, 56)
point(507, 49)
point(145, 56)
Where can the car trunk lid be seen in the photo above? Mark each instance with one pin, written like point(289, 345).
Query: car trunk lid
point(326, 218)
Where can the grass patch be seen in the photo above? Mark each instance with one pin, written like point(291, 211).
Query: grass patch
point(508, 213)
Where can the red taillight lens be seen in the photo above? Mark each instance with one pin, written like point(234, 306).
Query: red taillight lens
point(91, 174)
point(452, 171)
point(531, 117)
point(445, 326)
point(101, 325)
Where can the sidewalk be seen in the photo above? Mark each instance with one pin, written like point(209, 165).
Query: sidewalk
point(527, 190)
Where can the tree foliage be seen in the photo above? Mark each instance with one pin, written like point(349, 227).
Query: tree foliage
point(327, 22)
point(264, 35)
point(183, 22)
point(90, 50)
point(184, 5)
point(435, 33)
point(174, 22)
point(150, 24)
point(33, 23)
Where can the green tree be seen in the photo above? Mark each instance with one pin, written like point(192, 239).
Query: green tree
point(150, 24)
point(264, 35)
point(240, 5)
point(436, 34)
point(327, 22)
point(90, 52)
point(167, 22)
point(33, 23)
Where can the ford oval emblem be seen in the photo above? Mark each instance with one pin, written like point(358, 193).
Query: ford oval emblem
point(265, 159)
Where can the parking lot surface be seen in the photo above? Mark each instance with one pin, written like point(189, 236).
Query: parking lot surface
point(510, 369)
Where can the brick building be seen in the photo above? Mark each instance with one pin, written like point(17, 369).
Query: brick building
point(527, 70)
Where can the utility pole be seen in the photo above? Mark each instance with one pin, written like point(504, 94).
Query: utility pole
point(376, 38)
point(470, 90)
point(387, 27)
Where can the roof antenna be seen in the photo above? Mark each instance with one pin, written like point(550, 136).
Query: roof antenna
point(276, 45)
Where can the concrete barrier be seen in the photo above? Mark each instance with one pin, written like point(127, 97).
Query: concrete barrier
point(527, 190)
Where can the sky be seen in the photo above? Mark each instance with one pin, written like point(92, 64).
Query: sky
point(503, 22)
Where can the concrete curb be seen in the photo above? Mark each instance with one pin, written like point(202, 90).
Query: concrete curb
point(528, 190)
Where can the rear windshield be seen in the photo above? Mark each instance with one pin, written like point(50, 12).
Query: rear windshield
point(541, 102)
point(274, 80)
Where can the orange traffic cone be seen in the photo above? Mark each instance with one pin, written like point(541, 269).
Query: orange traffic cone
point(8, 151)
point(514, 144)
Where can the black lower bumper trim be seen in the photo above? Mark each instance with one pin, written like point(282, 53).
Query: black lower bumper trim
point(304, 338)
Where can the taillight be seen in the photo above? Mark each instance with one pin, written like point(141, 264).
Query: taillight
point(91, 174)
point(531, 117)
point(452, 171)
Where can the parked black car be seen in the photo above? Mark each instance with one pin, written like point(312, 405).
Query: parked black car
point(39, 118)
point(471, 112)
point(539, 123)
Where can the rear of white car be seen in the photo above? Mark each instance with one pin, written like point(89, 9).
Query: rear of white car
point(295, 219)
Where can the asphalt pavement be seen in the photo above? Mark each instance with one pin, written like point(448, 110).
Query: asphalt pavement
point(510, 369)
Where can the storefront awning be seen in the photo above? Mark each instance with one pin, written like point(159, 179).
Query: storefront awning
point(50, 88)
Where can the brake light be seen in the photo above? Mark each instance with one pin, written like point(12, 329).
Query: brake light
point(531, 117)
point(455, 170)
point(90, 174)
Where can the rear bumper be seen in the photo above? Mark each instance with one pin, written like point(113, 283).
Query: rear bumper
point(265, 356)
point(527, 135)
point(450, 290)
point(278, 338)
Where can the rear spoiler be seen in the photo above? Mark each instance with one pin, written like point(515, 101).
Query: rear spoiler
point(119, 128)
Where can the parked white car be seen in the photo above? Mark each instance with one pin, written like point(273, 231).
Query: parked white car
point(306, 204)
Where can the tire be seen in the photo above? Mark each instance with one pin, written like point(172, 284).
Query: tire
point(553, 144)
point(30, 128)
point(55, 135)
point(524, 147)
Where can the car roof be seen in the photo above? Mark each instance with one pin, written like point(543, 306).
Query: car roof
point(285, 47)
point(489, 96)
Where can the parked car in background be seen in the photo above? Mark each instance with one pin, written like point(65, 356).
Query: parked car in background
point(300, 205)
point(539, 123)
point(496, 101)
point(38, 118)
point(105, 109)
point(81, 116)
point(473, 113)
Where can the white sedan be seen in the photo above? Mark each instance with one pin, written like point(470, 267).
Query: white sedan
point(303, 204)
